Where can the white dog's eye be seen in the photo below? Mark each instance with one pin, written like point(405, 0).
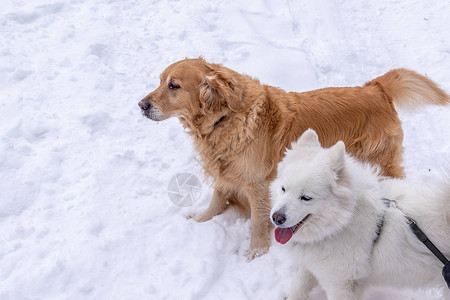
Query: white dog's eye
point(283, 189)
point(173, 86)
point(305, 198)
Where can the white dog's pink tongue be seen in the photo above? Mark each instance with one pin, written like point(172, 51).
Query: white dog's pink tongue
point(283, 235)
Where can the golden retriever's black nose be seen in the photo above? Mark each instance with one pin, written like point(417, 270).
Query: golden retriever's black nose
point(278, 218)
point(144, 105)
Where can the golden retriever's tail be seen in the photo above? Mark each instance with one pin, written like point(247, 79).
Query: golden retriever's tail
point(410, 90)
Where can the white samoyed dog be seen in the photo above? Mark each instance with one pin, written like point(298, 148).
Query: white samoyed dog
point(346, 230)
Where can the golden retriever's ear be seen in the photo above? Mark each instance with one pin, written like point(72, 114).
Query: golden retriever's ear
point(220, 89)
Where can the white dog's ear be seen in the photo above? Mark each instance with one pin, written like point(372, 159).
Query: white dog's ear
point(337, 157)
point(308, 139)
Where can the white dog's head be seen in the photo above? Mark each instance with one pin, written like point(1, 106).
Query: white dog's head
point(311, 196)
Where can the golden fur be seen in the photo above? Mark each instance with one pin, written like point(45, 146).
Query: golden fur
point(242, 128)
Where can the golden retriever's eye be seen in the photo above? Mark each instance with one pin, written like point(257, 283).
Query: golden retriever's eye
point(283, 189)
point(173, 86)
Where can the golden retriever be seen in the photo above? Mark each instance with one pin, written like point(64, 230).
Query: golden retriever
point(241, 128)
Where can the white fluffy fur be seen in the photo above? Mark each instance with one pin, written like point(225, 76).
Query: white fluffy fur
point(335, 246)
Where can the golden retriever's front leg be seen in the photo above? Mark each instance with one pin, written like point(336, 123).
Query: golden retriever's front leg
point(260, 219)
point(217, 205)
point(260, 239)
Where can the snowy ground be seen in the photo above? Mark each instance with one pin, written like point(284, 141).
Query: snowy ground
point(84, 212)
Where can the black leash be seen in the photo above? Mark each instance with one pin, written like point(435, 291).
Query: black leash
point(421, 236)
point(424, 239)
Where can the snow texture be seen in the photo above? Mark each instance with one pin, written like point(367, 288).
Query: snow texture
point(84, 209)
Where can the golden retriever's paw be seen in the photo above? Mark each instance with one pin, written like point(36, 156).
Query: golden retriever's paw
point(197, 218)
point(203, 217)
point(251, 254)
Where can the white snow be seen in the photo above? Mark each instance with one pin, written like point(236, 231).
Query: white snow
point(84, 210)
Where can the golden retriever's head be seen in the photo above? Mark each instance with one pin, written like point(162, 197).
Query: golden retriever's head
point(198, 93)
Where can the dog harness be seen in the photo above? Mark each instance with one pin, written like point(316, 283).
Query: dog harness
point(419, 234)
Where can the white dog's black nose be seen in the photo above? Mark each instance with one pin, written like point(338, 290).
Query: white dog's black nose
point(278, 218)
point(144, 105)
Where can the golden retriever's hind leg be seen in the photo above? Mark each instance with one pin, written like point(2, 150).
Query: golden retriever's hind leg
point(385, 152)
point(391, 160)
point(393, 170)
point(217, 206)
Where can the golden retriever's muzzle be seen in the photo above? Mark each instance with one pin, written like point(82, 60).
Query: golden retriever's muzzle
point(149, 110)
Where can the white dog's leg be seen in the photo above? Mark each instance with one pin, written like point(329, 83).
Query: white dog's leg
point(303, 285)
point(348, 291)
